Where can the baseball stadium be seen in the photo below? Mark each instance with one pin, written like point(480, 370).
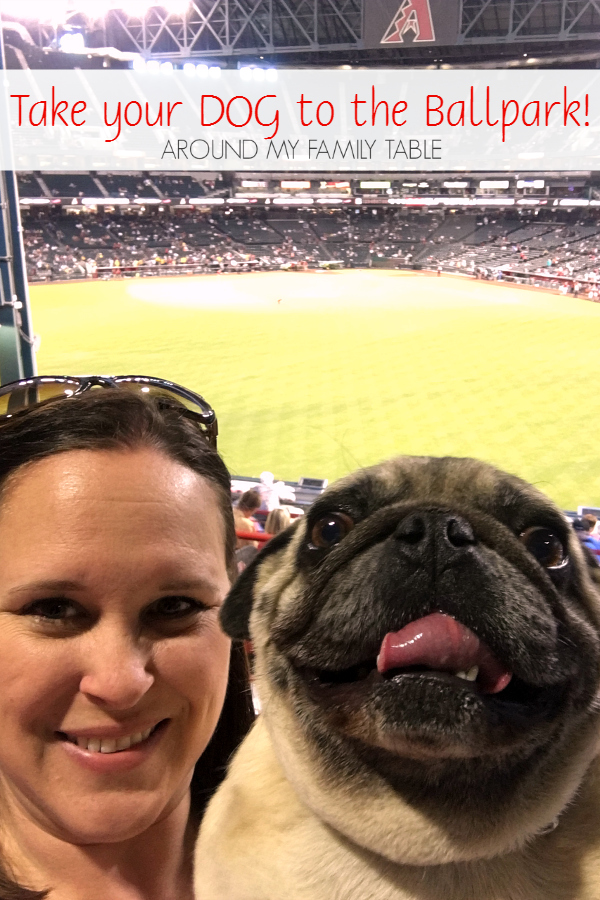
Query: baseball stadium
point(332, 320)
point(299, 468)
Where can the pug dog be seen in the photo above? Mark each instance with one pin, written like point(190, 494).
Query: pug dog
point(427, 655)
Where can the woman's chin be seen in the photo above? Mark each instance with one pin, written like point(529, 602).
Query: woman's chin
point(117, 820)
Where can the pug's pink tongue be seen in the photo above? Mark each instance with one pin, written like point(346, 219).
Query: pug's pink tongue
point(440, 642)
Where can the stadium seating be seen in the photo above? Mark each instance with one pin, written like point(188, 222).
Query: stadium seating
point(552, 249)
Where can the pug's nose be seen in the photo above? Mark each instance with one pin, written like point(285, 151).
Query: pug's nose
point(448, 530)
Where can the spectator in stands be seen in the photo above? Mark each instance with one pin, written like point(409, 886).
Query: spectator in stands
point(269, 495)
point(243, 514)
point(272, 492)
point(583, 528)
point(278, 520)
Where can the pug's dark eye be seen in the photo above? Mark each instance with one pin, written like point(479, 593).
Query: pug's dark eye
point(547, 548)
point(329, 530)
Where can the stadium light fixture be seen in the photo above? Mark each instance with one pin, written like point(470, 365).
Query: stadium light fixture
point(57, 11)
point(257, 73)
point(93, 8)
point(189, 69)
point(166, 68)
point(175, 7)
point(72, 42)
point(139, 64)
point(152, 65)
point(133, 9)
point(202, 70)
point(51, 11)
point(214, 72)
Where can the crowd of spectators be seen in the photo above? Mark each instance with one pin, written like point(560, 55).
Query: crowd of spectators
point(560, 250)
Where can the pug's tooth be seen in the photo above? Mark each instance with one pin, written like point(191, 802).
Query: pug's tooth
point(461, 675)
point(472, 673)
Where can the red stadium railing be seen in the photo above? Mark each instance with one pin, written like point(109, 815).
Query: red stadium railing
point(260, 536)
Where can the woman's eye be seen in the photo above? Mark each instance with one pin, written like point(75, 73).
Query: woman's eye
point(175, 607)
point(55, 609)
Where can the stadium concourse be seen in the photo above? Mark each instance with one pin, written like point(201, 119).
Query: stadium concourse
point(536, 231)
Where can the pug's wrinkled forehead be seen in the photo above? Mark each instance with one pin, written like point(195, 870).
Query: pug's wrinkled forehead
point(465, 484)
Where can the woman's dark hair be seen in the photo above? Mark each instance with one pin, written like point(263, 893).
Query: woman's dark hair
point(113, 419)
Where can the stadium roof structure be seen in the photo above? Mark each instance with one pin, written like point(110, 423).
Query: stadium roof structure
point(323, 32)
point(492, 21)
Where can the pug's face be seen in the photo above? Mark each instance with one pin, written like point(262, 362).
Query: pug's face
point(431, 625)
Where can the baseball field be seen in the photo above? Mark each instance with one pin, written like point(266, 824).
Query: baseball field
point(318, 373)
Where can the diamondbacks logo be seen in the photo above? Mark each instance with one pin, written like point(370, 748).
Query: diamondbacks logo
point(415, 16)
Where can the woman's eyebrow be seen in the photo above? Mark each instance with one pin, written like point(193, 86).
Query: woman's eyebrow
point(48, 585)
point(189, 584)
point(60, 586)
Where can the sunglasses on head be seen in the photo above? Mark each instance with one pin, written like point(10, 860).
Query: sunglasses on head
point(30, 392)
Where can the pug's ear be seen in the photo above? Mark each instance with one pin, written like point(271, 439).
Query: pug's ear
point(235, 612)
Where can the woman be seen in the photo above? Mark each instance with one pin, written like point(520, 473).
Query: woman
point(278, 520)
point(120, 702)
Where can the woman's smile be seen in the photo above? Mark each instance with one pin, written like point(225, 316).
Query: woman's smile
point(114, 755)
point(103, 740)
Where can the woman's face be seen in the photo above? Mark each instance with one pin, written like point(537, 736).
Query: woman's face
point(112, 571)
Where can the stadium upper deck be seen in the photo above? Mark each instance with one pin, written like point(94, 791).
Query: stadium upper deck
point(309, 33)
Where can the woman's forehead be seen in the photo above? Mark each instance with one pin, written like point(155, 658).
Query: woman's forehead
point(85, 509)
point(121, 472)
point(144, 484)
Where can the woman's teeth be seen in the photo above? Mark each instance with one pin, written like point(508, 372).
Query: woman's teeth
point(110, 745)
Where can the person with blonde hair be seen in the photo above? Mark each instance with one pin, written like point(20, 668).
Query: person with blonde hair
point(278, 520)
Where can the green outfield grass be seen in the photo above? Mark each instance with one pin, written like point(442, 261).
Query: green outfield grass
point(352, 367)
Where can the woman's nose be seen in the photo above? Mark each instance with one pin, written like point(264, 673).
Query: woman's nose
point(116, 669)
